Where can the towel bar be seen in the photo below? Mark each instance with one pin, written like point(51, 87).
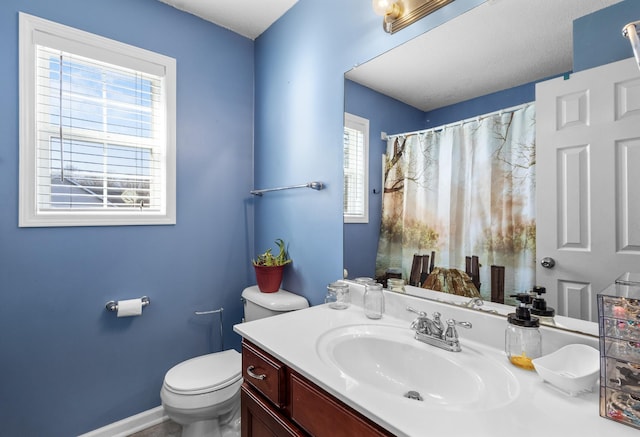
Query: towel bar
point(313, 185)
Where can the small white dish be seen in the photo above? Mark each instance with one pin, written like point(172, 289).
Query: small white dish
point(573, 369)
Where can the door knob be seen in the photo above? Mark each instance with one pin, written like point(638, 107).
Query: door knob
point(547, 262)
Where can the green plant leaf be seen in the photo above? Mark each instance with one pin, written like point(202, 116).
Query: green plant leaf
point(267, 259)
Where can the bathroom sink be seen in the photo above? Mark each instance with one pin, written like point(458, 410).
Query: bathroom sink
point(389, 360)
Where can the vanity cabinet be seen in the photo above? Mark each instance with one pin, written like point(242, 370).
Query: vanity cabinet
point(261, 419)
point(277, 401)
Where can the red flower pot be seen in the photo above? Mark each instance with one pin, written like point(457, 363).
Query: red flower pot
point(269, 278)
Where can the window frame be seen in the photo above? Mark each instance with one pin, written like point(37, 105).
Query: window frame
point(360, 124)
point(33, 31)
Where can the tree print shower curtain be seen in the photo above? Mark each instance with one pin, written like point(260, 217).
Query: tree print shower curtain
point(461, 190)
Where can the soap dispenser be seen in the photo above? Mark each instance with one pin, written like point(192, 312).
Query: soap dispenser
point(540, 309)
point(523, 341)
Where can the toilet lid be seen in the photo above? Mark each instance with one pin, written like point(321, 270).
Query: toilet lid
point(205, 373)
point(280, 301)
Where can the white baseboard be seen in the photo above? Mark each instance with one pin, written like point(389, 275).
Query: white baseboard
point(128, 426)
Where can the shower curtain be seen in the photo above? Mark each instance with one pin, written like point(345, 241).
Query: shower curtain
point(461, 190)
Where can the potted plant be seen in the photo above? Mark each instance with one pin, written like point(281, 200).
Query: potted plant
point(269, 268)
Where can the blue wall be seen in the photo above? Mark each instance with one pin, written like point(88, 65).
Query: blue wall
point(481, 105)
point(385, 115)
point(597, 38)
point(300, 62)
point(67, 366)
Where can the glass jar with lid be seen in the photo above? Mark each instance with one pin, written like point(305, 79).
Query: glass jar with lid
point(338, 296)
point(396, 284)
point(373, 300)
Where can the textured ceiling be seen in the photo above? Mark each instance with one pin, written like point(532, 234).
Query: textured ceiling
point(495, 46)
point(247, 17)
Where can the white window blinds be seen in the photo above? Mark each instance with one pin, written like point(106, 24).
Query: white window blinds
point(97, 142)
point(356, 171)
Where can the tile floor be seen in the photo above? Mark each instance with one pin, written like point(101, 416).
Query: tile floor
point(164, 429)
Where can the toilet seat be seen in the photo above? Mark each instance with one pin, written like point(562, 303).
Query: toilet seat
point(205, 374)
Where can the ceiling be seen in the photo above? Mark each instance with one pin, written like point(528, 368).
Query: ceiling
point(249, 18)
point(497, 45)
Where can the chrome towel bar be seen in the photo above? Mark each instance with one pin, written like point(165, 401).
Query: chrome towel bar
point(112, 305)
point(313, 185)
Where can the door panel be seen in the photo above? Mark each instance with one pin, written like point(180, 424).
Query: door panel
point(588, 183)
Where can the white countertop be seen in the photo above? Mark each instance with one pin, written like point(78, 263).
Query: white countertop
point(538, 410)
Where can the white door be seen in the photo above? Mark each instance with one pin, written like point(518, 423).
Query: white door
point(587, 184)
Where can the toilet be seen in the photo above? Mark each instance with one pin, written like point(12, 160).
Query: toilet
point(203, 393)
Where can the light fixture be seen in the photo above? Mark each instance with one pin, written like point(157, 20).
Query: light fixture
point(386, 8)
point(631, 31)
point(399, 14)
point(389, 9)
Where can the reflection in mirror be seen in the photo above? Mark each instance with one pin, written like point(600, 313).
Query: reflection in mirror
point(438, 79)
point(465, 193)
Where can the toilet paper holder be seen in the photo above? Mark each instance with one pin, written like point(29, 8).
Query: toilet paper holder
point(112, 305)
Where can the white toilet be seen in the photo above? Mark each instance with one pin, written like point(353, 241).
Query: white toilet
point(203, 393)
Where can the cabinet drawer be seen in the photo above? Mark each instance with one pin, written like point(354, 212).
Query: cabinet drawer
point(259, 418)
point(265, 373)
point(321, 415)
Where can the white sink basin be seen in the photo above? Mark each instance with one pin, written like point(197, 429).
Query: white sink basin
point(388, 359)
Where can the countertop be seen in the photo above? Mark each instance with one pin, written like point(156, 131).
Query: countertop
point(537, 409)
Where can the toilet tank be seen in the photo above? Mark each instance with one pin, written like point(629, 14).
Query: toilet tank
point(258, 305)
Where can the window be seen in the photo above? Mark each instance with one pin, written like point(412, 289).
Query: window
point(356, 169)
point(97, 137)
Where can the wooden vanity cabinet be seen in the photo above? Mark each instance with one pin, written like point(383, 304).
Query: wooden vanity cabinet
point(277, 401)
point(261, 419)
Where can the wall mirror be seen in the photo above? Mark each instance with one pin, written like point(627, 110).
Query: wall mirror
point(479, 62)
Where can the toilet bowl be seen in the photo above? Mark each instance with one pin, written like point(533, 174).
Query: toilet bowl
point(203, 393)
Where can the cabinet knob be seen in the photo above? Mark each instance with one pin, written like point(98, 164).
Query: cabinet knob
point(254, 375)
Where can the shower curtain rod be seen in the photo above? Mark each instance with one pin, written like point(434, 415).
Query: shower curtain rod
point(456, 123)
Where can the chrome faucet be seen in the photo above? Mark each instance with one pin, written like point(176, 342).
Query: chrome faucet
point(474, 302)
point(433, 332)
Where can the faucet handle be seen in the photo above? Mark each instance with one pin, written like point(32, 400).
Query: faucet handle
point(423, 325)
point(466, 325)
point(452, 334)
point(474, 302)
point(415, 311)
point(438, 326)
point(436, 319)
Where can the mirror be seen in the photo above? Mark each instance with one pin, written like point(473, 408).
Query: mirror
point(464, 68)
